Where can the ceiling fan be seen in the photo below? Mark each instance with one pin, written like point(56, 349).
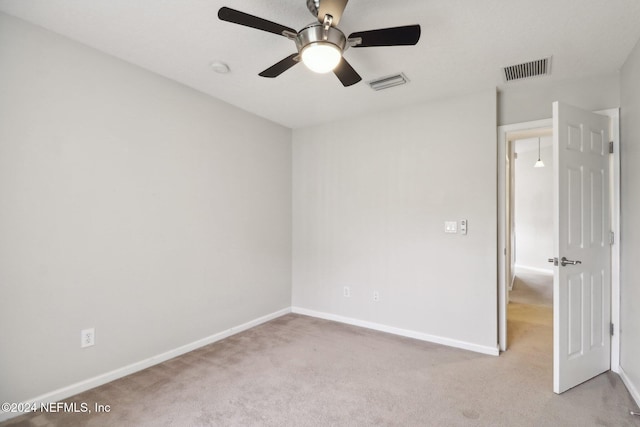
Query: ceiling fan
point(321, 44)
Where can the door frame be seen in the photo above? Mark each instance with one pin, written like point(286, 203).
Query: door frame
point(508, 133)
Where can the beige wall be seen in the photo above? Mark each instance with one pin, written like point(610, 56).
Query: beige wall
point(630, 212)
point(369, 206)
point(531, 99)
point(131, 204)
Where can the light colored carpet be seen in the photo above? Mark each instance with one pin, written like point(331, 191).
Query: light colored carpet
point(301, 371)
point(531, 287)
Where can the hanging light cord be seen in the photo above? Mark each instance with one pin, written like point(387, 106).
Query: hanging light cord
point(538, 149)
point(539, 163)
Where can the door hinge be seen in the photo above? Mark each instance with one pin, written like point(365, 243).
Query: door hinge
point(611, 328)
point(612, 237)
point(610, 146)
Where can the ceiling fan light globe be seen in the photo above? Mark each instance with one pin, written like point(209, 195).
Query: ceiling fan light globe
point(321, 57)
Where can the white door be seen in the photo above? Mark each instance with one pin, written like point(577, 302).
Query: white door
point(582, 286)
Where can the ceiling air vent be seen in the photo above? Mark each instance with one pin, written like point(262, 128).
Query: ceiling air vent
point(539, 67)
point(389, 81)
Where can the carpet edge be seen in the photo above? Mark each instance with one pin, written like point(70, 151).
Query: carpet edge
point(633, 391)
point(493, 351)
point(79, 387)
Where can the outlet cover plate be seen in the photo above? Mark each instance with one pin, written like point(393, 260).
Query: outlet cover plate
point(87, 337)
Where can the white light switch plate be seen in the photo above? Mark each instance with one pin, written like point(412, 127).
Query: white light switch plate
point(463, 226)
point(451, 226)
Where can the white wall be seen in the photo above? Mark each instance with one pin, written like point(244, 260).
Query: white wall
point(369, 204)
point(531, 99)
point(131, 204)
point(533, 204)
point(630, 212)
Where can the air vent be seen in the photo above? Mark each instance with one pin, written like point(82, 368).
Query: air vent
point(539, 67)
point(389, 81)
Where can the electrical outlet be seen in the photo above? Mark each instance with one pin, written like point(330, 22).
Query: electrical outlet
point(346, 292)
point(376, 296)
point(87, 337)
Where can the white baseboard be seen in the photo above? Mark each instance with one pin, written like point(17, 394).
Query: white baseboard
point(633, 390)
point(533, 269)
point(79, 387)
point(494, 351)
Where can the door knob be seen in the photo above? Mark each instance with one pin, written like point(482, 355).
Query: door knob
point(564, 261)
point(553, 260)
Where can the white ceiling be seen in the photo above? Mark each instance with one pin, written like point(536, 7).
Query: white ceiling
point(464, 44)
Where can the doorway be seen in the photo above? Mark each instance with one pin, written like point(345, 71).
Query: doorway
point(507, 253)
point(530, 291)
point(507, 137)
point(531, 207)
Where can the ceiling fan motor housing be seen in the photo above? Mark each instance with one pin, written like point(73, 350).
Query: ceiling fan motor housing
point(316, 33)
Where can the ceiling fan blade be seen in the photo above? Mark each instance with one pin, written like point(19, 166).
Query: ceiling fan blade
point(241, 18)
point(396, 36)
point(345, 72)
point(333, 8)
point(279, 68)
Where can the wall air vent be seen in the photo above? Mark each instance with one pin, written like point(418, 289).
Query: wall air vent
point(389, 81)
point(539, 67)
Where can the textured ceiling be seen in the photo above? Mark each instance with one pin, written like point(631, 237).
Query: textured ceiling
point(464, 44)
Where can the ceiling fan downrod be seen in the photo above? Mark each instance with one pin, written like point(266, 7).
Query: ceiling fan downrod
point(313, 6)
